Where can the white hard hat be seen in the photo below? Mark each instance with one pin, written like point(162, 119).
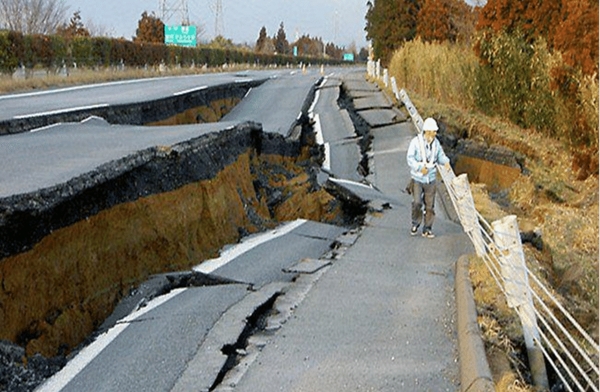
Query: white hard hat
point(430, 125)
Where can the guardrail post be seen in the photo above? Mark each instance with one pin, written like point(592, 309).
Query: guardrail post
point(518, 292)
point(395, 88)
point(371, 68)
point(416, 117)
point(386, 77)
point(467, 212)
point(378, 69)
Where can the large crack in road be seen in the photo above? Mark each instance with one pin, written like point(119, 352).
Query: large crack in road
point(76, 252)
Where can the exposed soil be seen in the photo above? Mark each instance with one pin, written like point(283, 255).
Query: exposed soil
point(70, 254)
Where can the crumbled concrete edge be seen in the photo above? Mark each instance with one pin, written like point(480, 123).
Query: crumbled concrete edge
point(203, 370)
point(26, 218)
point(475, 374)
point(137, 113)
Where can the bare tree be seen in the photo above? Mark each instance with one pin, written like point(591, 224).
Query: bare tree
point(33, 16)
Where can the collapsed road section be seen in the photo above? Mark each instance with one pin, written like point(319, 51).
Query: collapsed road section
point(139, 112)
point(72, 251)
point(73, 248)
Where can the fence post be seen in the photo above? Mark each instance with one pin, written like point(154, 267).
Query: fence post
point(416, 117)
point(467, 212)
point(395, 88)
point(518, 292)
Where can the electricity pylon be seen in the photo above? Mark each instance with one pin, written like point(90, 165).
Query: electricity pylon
point(171, 8)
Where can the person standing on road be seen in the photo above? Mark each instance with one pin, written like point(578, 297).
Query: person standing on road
point(424, 153)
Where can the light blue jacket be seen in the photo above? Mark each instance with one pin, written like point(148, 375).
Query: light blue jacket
point(416, 162)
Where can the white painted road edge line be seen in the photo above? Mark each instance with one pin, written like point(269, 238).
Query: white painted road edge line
point(45, 128)
point(82, 87)
point(191, 90)
point(249, 243)
point(314, 102)
point(321, 141)
point(318, 130)
point(87, 355)
point(342, 181)
point(58, 111)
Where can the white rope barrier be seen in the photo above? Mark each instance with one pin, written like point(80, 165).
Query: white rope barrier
point(485, 239)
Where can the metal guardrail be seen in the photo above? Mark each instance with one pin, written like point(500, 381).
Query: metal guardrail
point(558, 340)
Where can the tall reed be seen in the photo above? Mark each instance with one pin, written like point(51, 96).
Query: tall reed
point(525, 83)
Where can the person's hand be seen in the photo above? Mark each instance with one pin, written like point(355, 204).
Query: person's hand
point(447, 166)
point(424, 170)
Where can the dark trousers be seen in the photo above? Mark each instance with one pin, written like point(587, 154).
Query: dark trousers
point(423, 196)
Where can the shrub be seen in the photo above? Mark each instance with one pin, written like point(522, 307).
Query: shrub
point(440, 70)
point(82, 51)
point(11, 51)
point(523, 82)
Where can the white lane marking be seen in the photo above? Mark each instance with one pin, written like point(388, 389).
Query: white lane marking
point(58, 111)
point(318, 130)
point(191, 90)
point(209, 266)
point(45, 128)
point(320, 140)
point(388, 151)
point(87, 355)
point(342, 181)
point(75, 88)
point(314, 103)
point(327, 160)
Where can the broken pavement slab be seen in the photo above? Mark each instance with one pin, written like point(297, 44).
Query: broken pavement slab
point(209, 361)
point(377, 101)
point(307, 266)
point(381, 117)
point(358, 193)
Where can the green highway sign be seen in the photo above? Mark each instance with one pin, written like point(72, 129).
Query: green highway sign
point(180, 35)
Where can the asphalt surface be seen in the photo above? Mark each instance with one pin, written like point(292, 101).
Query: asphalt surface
point(383, 316)
point(68, 99)
point(372, 309)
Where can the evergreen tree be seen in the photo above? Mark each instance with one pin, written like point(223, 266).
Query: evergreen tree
point(389, 24)
point(282, 45)
point(74, 29)
point(261, 42)
point(150, 29)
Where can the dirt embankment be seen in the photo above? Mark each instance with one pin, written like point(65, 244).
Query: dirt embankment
point(174, 208)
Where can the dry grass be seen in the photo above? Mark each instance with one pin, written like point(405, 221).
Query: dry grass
point(547, 198)
point(43, 79)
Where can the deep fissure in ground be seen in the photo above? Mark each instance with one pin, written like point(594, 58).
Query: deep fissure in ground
point(93, 245)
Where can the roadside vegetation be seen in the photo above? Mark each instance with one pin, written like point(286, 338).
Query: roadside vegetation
point(523, 75)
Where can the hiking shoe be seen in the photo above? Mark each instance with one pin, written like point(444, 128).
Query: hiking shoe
point(428, 234)
point(413, 230)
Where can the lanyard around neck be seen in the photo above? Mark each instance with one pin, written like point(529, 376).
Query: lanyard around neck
point(422, 148)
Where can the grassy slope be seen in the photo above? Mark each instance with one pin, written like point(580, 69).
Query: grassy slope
point(548, 200)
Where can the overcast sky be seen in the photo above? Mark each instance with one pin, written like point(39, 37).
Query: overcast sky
point(340, 21)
